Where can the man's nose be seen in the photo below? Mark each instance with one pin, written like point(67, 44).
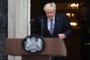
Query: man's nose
point(49, 14)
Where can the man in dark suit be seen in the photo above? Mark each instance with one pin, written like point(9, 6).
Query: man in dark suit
point(59, 27)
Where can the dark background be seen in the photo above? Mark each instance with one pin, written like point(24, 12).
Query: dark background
point(75, 49)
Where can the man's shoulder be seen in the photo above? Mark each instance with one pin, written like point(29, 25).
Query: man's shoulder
point(41, 17)
point(60, 14)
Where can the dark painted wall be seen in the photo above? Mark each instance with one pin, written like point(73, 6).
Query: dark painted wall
point(3, 28)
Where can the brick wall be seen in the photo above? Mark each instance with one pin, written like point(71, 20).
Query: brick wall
point(3, 28)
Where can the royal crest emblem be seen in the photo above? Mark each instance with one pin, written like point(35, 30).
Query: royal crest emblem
point(33, 44)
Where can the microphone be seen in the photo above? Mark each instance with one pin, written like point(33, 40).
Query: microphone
point(32, 20)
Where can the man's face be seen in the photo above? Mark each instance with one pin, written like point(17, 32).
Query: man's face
point(50, 13)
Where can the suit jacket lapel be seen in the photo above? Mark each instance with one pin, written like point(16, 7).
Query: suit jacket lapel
point(57, 20)
point(46, 25)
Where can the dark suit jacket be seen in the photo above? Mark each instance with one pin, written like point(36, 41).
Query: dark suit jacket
point(62, 25)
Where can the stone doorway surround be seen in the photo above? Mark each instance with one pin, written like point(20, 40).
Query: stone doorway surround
point(18, 21)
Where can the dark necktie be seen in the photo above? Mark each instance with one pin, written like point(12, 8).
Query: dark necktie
point(51, 26)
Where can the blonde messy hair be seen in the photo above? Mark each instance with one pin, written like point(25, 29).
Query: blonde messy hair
point(49, 6)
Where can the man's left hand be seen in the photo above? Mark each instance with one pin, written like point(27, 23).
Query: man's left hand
point(61, 36)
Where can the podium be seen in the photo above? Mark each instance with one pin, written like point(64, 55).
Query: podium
point(53, 47)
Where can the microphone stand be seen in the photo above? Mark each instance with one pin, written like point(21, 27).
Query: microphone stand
point(42, 27)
